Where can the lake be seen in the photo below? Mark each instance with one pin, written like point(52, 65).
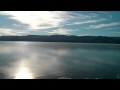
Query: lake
point(50, 60)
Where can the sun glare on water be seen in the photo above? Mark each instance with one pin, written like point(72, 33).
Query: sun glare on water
point(23, 73)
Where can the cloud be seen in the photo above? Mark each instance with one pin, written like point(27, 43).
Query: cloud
point(88, 21)
point(111, 28)
point(110, 16)
point(76, 29)
point(85, 27)
point(7, 22)
point(16, 24)
point(106, 13)
point(80, 15)
point(36, 19)
point(116, 32)
point(60, 31)
point(4, 31)
point(84, 35)
point(104, 25)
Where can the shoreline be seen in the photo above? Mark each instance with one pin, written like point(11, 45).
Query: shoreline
point(62, 42)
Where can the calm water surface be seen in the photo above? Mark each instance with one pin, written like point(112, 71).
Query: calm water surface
point(49, 60)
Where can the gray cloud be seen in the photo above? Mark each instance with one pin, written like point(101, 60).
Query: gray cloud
point(45, 25)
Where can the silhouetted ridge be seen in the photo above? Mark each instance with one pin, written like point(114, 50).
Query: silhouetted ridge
point(63, 38)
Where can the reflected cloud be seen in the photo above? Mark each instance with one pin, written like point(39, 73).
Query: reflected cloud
point(31, 60)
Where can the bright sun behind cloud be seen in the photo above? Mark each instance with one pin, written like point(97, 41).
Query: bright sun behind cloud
point(38, 19)
point(60, 22)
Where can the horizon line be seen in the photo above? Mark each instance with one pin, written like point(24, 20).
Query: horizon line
point(63, 35)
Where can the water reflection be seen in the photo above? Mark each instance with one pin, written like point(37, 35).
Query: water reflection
point(31, 60)
point(26, 62)
point(23, 73)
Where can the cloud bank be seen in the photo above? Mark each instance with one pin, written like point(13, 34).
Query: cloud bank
point(58, 22)
point(38, 19)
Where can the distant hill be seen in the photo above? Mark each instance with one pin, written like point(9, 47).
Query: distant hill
point(63, 38)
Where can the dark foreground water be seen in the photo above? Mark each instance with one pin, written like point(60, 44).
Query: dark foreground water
point(49, 60)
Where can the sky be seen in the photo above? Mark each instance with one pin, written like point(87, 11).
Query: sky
point(80, 23)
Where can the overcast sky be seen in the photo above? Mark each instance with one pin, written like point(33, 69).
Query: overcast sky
point(93, 23)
